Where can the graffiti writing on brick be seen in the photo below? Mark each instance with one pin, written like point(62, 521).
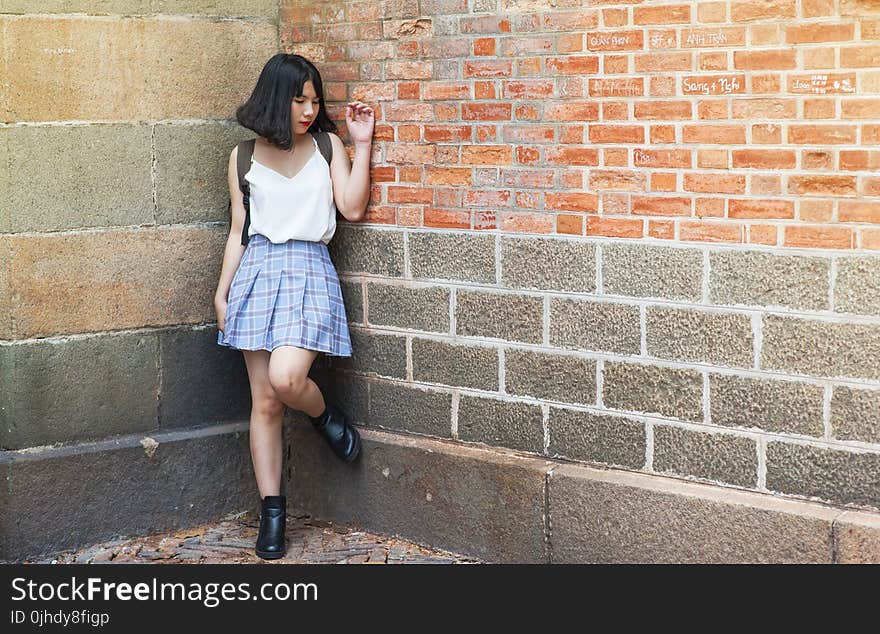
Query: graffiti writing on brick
point(823, 84)
point(713, 85)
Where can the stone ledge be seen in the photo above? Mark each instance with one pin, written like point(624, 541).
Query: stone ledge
point(56, 498)
point(495, 504)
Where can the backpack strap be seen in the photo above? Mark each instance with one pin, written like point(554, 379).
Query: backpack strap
point(245, 152)
point(324, 144)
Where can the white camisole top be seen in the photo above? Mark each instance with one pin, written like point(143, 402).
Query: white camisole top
point(298, 208)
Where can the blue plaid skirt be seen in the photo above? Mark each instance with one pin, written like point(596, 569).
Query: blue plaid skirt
point(286, 295)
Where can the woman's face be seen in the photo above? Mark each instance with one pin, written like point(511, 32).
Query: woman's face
point(304, 108)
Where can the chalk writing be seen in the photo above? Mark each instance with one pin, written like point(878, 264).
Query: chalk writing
point(822, 84)
point(713, 85)
point(58, 51)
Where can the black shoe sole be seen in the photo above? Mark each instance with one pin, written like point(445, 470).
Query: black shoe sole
point(357, 449)
point(264, 555)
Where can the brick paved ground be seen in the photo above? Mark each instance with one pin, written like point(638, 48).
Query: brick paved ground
point(231, 540)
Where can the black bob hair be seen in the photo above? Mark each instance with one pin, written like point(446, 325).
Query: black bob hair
point(267, 111)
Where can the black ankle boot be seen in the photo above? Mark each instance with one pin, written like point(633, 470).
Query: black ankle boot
point(342, 437)
point(273, 518)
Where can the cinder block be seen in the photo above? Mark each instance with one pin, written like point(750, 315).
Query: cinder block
point(855, 414)
point(548, 264)
point(417, 307)
point(672, 392)
point(202, 383)
point(554, 377)
point(648, 271)
point(147, 484)
point(769, 279)
point(613, 440)
point(501, 423)
point(362, 250)
point(347, 391)
point(843, 477)
point(353, 297)
point(109, 280)
point(820, 348)
point(69, 177)
point(857, 538)
point(598, 326)
point(483, 503)
point(768, 404)
point(452, 256)
point(78, 389)
point(453, 364)
point(120, 68)
point(409, 408)
point(719, 457)
point(615, 517)
point(690, 335)
point(192, 171)
point(5, 296)
point(384, 355)
point(857, 285)
point(510, 317)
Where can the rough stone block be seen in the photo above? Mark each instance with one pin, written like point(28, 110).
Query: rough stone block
point(820, 348)
point(597, 326)
point(452, 256)
point(689, 335)
point(769, 279)
point(768, 404)
point(855, 414)
point(857, 538)
point(672, 392)
point(551, 264)
point(78, 389)
point(453, 364)
point(408, 408)
point(553, 377)
point(501, 423)
point(648, 271)
point(510, 317)
point(384, 355)
point(843, 477)
point(857, 285)
point(110, 280)
point(417, 307)
point(613, 440)
point(718, 457)
point(358, 249)
point(70, 177)
point(353, 297)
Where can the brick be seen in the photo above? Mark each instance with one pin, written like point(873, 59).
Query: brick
point(191, 171)
point(859, 56)
point(666, 14)
point(407, 408)
point(384, 355)
point(756, 278)
point(820, 348)
point(662, 158)
point(357, 249)
point(822, 185)
point(708, 231)
point(594, 326)
point(172, 283)
point(611, 440)
point(611, 516)
point(706, 337)
point(417, 307)
point(571, 201)
point(842, 477)
point(669, 392)
point(615, 41)
point(501, 423)
point(457, 365)
point(52, 188)
point(502, 316)
point(714, 134)
point(857, 285)
point(715, 457)
point(76, 390)
point(621, 180)
point(766, 404)
point(144, 53)
point(661, 205)
point(452, 256)
point(554, 377)
point(764, 159)
point(827, 237)
point(617, 134)
point(714, 183)
point(768, 209)
point(548, 264)
point(663, 110)
point(656, 62)
point(647, 271)
point(746, 11)
point(822, 134)
point(855, 414)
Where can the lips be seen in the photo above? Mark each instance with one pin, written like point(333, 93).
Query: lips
point(306, 123)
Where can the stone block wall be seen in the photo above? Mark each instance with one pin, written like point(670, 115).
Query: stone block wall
point(116, 123)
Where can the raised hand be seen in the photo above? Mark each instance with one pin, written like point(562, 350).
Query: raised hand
point(360, 120)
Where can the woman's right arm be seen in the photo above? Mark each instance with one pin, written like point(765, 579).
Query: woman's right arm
point(234, 248)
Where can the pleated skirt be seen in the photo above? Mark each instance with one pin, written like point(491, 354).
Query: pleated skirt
point(286, 294)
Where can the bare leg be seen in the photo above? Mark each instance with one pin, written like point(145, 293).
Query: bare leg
point(267, 415)
point(288, 374)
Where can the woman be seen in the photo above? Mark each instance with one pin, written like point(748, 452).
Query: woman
point(278, 299)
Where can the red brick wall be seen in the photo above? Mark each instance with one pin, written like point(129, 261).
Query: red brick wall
point(737, 121)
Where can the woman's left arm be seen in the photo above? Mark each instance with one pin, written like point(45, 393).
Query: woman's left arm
point(351, 181)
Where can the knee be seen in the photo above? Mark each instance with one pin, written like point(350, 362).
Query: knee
point(289, 384)
point(268, 405)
